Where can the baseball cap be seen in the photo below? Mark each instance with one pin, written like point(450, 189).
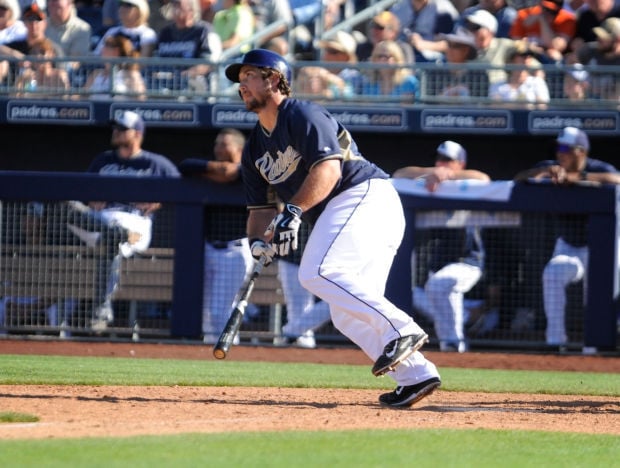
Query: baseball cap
point(142, 5)
point(342, 42)
point(572, 136)
point(387, 19)
point(462, 36)
point(483, 19)
point(33, 12)
point(609, 29)
point(452, 150)
point(130, 120)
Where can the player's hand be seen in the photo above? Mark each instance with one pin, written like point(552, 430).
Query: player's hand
point(284, 228)
point(260, 248)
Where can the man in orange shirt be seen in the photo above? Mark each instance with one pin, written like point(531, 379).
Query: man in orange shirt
point(548, 29)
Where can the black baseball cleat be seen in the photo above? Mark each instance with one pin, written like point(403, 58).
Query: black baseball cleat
point(409, 394)
point(396, 351)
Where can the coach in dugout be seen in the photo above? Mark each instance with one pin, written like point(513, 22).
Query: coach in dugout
point(569, 261)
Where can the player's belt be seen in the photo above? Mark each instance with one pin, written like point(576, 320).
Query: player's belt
point(217, 244)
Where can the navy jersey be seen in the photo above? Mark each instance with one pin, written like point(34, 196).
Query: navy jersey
point(146, 164)
point(192, 42)
point(305, 134)
point(572, 228)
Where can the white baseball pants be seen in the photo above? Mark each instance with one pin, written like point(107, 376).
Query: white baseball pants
point(568, 265)
point(444, 291)
point(346, 263)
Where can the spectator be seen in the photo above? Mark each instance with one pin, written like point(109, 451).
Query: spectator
point(189, 37)
point(116, 80)
point(456, 261)
point(604, 52)
point(227, 254)
point(547, 28)
point(128, 159)
point(42, 78)
point(134, 17)
point(390, 81)
point(492, 50)
point(268, 12)
point(569, 262)
point(65, 28)
point(35, 20)
point(234, 23)
point(590, 17)
point(457, 83)
point(422, 22)
point(343, 81)
point(11, 28)
point(576, 85)
point(524, 84)
point(504, 13)
point(384, 27)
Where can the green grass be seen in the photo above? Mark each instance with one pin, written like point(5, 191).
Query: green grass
point(419, 448)
point(13, 417)
point(61, 370)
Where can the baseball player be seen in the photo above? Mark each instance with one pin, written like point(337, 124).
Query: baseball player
point(569, 261)
point(456, 261)
point(312, 162)
point(127, 158)
point(227, 253)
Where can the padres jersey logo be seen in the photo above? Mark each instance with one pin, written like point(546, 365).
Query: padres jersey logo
point(279, 169)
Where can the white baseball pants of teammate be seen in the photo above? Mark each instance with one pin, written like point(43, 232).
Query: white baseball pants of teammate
point(346, 263)
point(444, 291)
point(568, 265)
point(302, 312)
point(225, 271)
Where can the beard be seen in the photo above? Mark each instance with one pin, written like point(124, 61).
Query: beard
point(256, 104)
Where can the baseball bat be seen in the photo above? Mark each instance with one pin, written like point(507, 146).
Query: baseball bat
point(224, 342)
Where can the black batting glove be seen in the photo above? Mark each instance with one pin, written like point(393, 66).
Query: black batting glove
point(285, 227)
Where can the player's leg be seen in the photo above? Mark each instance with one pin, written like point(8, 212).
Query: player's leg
point(346, 262)
point(445, 290)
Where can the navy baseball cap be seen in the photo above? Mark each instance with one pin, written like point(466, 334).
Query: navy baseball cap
point(129, 120)
point(572, 136)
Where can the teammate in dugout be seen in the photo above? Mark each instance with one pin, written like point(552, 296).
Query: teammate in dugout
point(569, 261)
point(315, 167)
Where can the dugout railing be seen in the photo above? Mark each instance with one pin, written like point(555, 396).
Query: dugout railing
point(524, 214)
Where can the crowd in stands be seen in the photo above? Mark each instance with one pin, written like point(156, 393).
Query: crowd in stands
point(415, 49)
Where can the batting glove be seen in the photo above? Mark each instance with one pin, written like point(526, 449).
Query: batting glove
point(260, 248)
point(285, 227)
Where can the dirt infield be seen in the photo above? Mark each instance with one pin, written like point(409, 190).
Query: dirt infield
point(67, 411)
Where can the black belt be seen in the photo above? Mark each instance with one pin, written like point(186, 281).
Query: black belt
point(217, 244)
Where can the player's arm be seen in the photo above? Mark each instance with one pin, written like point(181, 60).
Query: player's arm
point(319, 183)
point(258, 220)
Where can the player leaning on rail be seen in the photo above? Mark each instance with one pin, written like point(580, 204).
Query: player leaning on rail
point(314, 166)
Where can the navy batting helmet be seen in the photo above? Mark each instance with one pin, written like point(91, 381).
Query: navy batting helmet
point(261, 58)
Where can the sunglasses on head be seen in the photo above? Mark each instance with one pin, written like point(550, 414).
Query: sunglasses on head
point(473, 27)
point(331, 50)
